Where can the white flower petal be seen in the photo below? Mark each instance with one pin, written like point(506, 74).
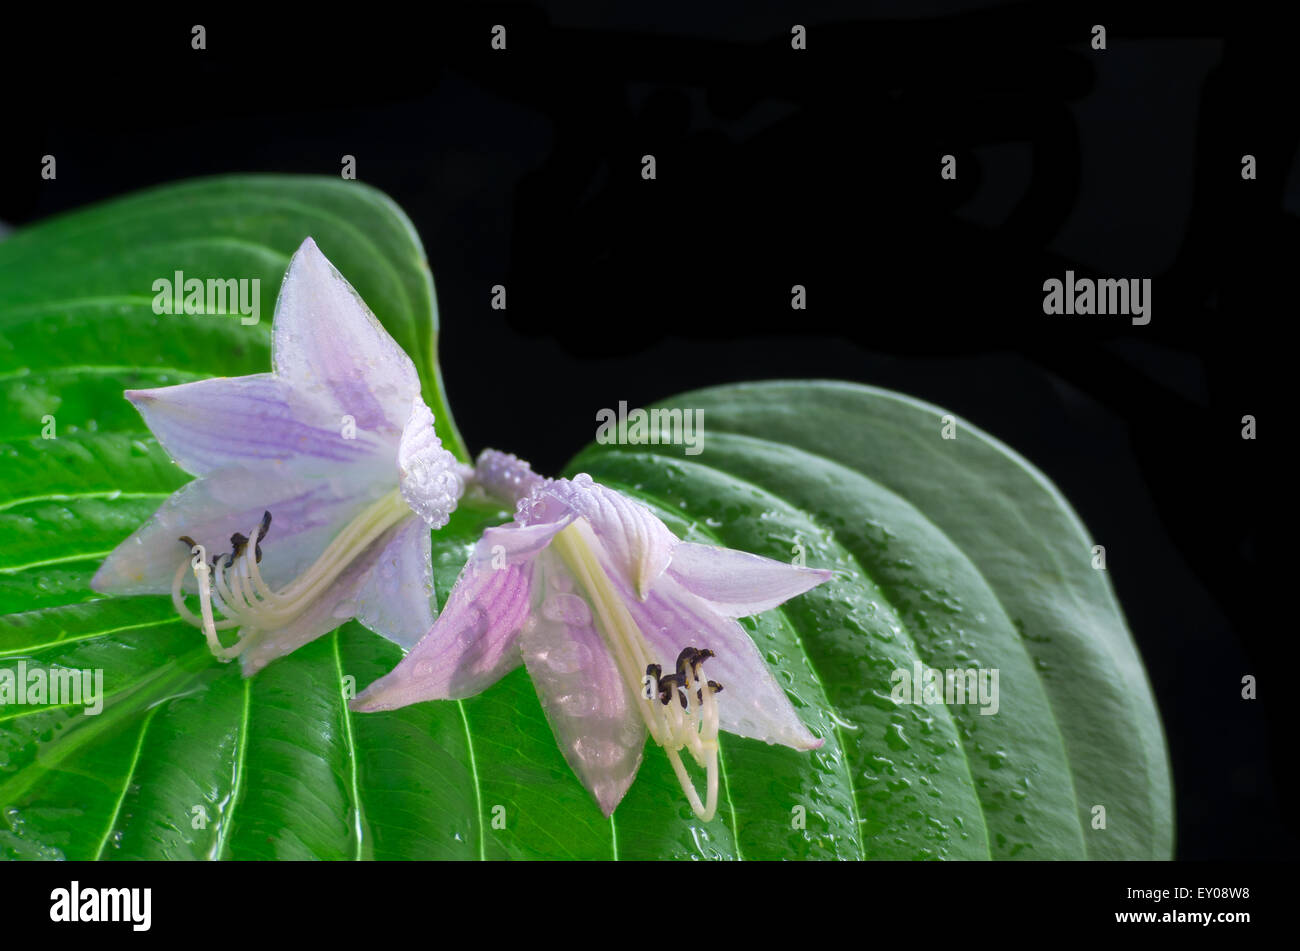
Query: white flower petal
point(591, 713)
point(394, 599)
point(473, 643)
point(736, 583)
point(257, 422)
point(514, 544)
point(327, 343)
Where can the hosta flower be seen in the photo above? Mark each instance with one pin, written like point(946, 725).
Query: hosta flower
point(624, 629)
point(317, 485)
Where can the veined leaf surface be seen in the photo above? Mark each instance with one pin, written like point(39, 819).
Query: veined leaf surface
point(952, 553)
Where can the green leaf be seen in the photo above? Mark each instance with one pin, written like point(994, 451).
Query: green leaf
point(955, 553)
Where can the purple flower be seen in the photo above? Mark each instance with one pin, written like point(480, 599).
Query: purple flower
point(625, 630)
point(322, 478)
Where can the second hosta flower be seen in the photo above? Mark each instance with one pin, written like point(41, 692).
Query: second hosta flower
point(625, 631)
point(317, 485)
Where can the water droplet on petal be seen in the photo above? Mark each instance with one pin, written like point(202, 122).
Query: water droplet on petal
point(568, 609)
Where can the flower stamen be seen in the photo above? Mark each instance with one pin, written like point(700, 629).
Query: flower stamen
point(232, 582)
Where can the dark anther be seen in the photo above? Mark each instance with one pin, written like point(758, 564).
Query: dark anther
point(693, 657)
point(189, 542)
point(714, 687)
point(688, 668)
point(261, 533)
point(669, 685)
point(238, 542)
point(700, 657)
point(653, 670)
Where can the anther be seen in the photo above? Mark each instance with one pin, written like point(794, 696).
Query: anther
point(670, 685)
point(686, 657)
point(714, 687)
point(261, 533)
point(700, 657)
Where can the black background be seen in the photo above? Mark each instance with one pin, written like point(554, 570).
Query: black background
point(820, 168)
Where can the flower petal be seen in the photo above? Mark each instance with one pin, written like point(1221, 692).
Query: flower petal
point(514, 544)
point(737, 583)
point(591, 713)
point(394, 598)
point(427, 473)
point(472, 645)
point(317, 621)
point(753, 703)
point(306, 515)
point(253, 421)
point(639, 543)
point(329, 344)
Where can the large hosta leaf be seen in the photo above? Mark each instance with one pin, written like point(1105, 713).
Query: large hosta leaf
point(953, 552)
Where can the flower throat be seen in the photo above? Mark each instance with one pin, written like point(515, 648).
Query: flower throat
point(232, 582)
point(680, 709)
